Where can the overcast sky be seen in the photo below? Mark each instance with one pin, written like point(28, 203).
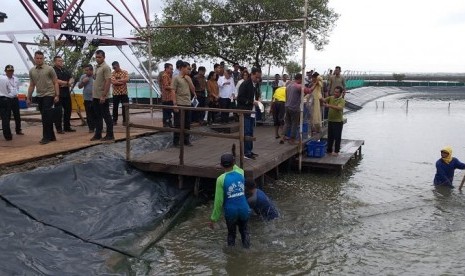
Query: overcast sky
point(370, 36)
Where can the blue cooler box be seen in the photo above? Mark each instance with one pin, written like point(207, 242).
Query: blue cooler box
point(22, 104)
point(316, 149)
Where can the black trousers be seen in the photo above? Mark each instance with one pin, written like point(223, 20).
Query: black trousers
point(102, 112)
point(167, 113)
point(225, 103)
point(117, 99)
point(47, 112)
point(63, 114)
point(90, 115)
point(211, 114)
point(334, 136)
point(16, 114)
point(5, 115)
point(177, 124)
point(198, 116)
point(233, 224)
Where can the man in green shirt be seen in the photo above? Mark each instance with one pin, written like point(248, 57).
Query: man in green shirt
point(44, 79)
point(183, 90)
point(101, 95)
point(335, 104)
point(230, 197)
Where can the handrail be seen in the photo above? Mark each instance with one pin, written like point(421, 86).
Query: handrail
point(182, 131)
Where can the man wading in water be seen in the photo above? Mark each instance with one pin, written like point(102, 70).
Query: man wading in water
point(445, 168)
point(230, 196)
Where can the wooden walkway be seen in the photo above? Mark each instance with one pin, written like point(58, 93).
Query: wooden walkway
point(203, 158)
point(26, 148)
point(349, 149)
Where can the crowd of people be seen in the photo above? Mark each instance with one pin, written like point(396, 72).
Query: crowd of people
point(222, 88)
point(53, 85)
point(318, 91)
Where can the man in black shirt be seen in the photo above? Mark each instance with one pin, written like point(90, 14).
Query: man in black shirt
point(249, 91)
point(65, 81)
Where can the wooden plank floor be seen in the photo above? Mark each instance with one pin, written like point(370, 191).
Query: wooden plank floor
point(26, 148)
point(349, 149)
point(202, 160)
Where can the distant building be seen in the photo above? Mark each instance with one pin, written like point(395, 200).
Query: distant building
point(2, 16)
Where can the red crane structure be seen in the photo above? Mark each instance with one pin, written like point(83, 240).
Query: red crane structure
point(63, 22)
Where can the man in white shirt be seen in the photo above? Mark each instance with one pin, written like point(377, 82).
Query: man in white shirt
point(6, 98)
point(13, 82)
point(227, 89)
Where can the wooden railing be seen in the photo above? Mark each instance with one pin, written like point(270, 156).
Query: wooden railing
point(182, 131)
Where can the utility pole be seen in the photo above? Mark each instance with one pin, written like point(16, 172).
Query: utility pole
point(304, 43)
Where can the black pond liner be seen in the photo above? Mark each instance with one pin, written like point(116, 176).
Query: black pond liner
point(88, 215)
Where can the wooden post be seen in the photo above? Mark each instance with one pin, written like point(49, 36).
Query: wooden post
point(181, 136)
point(197, 186)
point(241, 140)
point(128, 133)
point(180, 182)
point(276, 173)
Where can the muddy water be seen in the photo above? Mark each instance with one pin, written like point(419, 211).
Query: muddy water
point(381, 216)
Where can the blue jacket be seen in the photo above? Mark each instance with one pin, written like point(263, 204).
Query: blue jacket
point(262, 205)
point(445, 172)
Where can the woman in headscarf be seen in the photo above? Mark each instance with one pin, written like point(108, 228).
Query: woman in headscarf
point(317, 89)
point(445, 168)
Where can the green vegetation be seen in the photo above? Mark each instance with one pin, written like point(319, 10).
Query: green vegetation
point(71, 56)
point(398, 77)
point(256, 44)
point(292, 68)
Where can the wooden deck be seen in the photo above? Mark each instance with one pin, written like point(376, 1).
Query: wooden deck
point(26, 148)
point(202, 160)
point(349, 150)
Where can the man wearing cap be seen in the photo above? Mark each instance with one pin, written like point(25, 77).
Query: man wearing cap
point(230, 195)
point(65, 81)
point(119, 80)
point(6, 99)
point(44, 78)
point(13, 82)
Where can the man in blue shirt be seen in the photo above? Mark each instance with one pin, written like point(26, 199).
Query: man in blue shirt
point(86, 82)
point(260, 203)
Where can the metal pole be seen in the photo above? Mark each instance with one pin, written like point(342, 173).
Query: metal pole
point(149, 46)
point(241, 140)
point(13, 39)
point(268, 83)
point(304, 40)
point(128, 134)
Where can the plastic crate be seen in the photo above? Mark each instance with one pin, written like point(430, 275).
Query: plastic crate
point(22, 104)
point(316, 149)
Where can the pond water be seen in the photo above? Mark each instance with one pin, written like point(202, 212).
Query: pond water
point(380, 216)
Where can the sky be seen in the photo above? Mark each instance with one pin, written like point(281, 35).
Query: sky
point(382, 36)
